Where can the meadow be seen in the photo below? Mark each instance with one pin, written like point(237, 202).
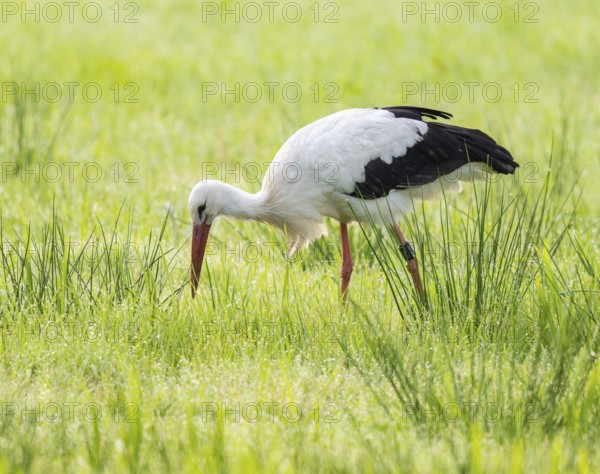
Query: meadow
point(110, 112)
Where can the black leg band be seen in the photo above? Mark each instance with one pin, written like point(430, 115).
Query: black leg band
point(407, 251)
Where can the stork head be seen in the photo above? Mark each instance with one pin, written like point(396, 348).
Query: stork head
point(207, 200)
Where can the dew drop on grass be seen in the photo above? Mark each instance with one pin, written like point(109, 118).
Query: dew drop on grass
point(119, 445)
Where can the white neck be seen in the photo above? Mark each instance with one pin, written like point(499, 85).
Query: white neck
point(270, 205)
point(243, 205)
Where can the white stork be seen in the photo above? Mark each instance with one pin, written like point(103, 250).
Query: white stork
point(351, 165)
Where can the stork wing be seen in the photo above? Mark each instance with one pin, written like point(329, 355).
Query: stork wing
point(369, 152)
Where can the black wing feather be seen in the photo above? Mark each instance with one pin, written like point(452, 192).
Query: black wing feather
point(416, 113)
point(444, 149)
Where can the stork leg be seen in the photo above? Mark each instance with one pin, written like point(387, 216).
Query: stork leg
point(346, 268)
point(409, 255)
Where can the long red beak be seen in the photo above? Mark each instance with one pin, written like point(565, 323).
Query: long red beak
point(199, 238)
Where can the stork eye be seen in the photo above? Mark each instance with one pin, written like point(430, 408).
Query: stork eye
point(201, 209)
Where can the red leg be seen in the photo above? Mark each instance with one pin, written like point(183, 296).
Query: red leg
point(346, 269)
point(409, 255)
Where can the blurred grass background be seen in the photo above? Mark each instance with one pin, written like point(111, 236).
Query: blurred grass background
point(271, 330)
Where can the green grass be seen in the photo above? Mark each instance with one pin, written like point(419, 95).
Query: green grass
point(107, 363)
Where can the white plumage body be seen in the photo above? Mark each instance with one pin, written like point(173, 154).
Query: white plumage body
point(317, 167)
